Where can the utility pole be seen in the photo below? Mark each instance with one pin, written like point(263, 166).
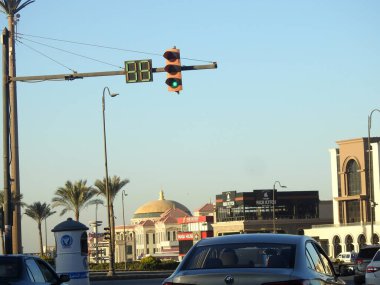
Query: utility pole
point(15, 174)
point(11, 7)
point(7, 191)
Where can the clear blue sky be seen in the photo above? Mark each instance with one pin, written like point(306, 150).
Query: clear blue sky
point(293, 77)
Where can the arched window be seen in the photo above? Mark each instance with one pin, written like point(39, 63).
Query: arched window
point(337, 246)
point(349, 245)
point(361, 241)
point(353, 178)
point(375, 239)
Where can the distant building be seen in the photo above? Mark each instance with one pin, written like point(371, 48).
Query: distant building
point(252, 212)
point(152, 232)
point(153, 210)
point(195, 228)
point(352, 175)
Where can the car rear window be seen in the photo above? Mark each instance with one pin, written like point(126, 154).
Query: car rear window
point(10, 268)
point(368, 253)
point(260, 255)
point(377, 256)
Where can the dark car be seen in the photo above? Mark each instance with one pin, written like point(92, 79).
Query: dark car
point(255, 259)
point(365, 255)
point(22, 269)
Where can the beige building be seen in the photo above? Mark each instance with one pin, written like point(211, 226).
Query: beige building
point(153, 231)
point(353, 174)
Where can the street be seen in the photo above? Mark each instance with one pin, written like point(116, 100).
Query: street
point(348, 279)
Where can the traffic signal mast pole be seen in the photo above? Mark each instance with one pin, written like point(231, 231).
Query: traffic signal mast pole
point(74, 76)
point(7, 81)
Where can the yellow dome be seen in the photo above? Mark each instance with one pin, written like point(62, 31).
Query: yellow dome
point(155, 208)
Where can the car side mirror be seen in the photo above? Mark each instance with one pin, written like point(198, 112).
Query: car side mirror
point(64, 278)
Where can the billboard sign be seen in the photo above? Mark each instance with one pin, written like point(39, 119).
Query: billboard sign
point(265, 197)
point(229, 199)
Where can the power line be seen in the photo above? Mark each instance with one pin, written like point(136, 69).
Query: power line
point(40, 53)
point(73, 53)
point(108, 47)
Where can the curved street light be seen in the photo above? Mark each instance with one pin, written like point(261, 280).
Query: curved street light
point(111, 269)
point(273, 207)
point(372, 203)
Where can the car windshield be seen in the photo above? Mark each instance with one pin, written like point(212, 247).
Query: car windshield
point(10, 268)
point(259, 255)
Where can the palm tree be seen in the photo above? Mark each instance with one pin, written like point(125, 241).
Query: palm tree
point(15, 200)
point(11, 7)
point(73, 197)
point(115, 185)
point(39, 212)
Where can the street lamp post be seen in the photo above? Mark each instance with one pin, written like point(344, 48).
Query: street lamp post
point(125, 238)
point(45, 238)
point(372, 203)
point(111, 269)
point(273, 207)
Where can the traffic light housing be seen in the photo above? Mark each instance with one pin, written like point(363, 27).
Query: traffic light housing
point(107, 233)
point(173, 69)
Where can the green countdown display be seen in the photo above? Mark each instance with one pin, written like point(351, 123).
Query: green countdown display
point(138, 71)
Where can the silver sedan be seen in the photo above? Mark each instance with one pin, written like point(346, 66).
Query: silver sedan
point(270, 259)
point(372, 276)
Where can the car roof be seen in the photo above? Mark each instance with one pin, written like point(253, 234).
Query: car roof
point(256, 237)
point(371, 245)
point(21, 256)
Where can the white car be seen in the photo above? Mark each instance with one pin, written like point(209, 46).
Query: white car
point(347, 257)
point(372, 275)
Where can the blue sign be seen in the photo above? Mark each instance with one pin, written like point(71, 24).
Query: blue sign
point(66, 241)
point(78, 275)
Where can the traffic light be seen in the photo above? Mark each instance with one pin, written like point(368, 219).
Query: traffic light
point(173, 69)
point(107, 233)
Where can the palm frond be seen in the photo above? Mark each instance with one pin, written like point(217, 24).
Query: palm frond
point(96, 201)
point(38, 211)
point(115, 184)
point(3, 8)
point(73, 196)
point(12, 7)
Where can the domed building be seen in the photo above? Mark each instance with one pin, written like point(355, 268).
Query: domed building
point(153, 231)
point(153, 210)
point(156, 229)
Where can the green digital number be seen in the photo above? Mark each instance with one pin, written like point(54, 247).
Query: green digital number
point(131, 71)
point(145, 70)
point(138, 71)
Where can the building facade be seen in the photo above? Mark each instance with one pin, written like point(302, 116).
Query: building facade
point(153, 231)
point(268, 210)
point(356, 192)
point(195, 228)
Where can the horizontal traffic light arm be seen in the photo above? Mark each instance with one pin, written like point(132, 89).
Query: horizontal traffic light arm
point(214, 65)
point(73, 76)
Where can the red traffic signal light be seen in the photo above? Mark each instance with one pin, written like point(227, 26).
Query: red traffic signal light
point(173, 69)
